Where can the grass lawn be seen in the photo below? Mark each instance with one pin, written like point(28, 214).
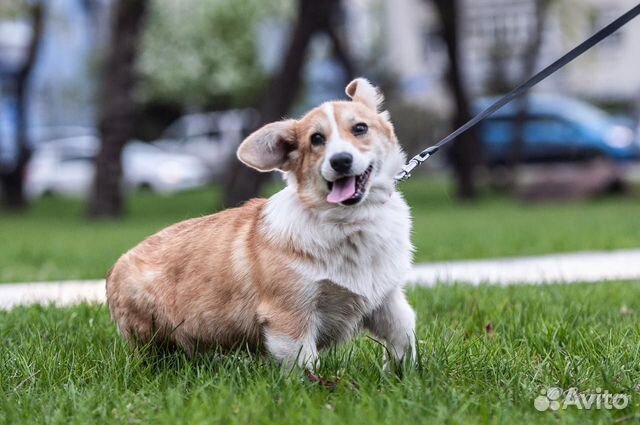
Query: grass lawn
point(53, 240)
point(485, 353)
point(69, 366)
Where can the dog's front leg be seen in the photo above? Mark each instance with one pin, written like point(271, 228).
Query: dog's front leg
point(292, 344)
point(394, 322)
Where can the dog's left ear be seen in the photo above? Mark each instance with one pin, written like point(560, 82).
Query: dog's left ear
point(271, 147)
point(361, 90)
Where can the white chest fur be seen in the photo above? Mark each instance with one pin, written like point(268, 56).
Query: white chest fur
point(366, 249)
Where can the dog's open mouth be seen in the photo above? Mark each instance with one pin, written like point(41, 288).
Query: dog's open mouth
point(349, 190)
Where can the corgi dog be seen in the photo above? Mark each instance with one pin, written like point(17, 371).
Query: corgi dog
point(296, 273)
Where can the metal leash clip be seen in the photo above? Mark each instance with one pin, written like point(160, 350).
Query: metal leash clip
point(415, 162)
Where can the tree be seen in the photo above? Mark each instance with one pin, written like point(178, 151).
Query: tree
point(530, 55)
point(117, 107)
point(525, 55)
point(217, 52)
point(465, 151)
point(12, 182)
point(313, 16)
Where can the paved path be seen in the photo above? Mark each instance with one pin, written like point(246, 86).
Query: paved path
point(560, 268)
point(564, 268)
point(60, 293)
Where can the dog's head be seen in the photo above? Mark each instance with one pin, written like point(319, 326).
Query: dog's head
point(340, 154)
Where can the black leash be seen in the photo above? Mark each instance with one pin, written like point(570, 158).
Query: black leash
point(568, 57)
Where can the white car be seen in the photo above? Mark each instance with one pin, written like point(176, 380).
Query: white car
point(212, 137)
point(67, 167)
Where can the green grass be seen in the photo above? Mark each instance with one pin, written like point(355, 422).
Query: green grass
point(65, 366)
point(69, 366)
point(53, 240)
point(497, 226)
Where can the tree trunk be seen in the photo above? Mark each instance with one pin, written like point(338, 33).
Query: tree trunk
point(242, 182)
point(465, 151)
point(117, 108)
point(529, 60)
point(342, 53)
point(13, 181)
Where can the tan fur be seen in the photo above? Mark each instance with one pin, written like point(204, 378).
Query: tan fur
point(208, 281)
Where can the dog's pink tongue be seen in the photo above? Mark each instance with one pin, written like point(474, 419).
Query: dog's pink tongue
point(342, 190)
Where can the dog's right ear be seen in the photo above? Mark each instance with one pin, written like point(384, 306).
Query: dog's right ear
point(268, 148)
point(361, 90)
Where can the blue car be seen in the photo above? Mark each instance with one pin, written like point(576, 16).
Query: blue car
point(556, 129)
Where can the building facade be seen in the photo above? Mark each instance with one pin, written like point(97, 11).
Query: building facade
point(495, 37)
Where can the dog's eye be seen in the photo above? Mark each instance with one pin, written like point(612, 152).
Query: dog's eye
point(359, 129)
point(317, 139)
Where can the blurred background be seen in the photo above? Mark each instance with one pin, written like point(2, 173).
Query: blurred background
point(106, 105)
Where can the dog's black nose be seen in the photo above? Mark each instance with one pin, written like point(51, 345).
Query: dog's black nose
point(341, 162)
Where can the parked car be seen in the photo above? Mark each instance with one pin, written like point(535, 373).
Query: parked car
point(67, 167)
point(212, 137)
point(556, 128)
point(44, 134)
